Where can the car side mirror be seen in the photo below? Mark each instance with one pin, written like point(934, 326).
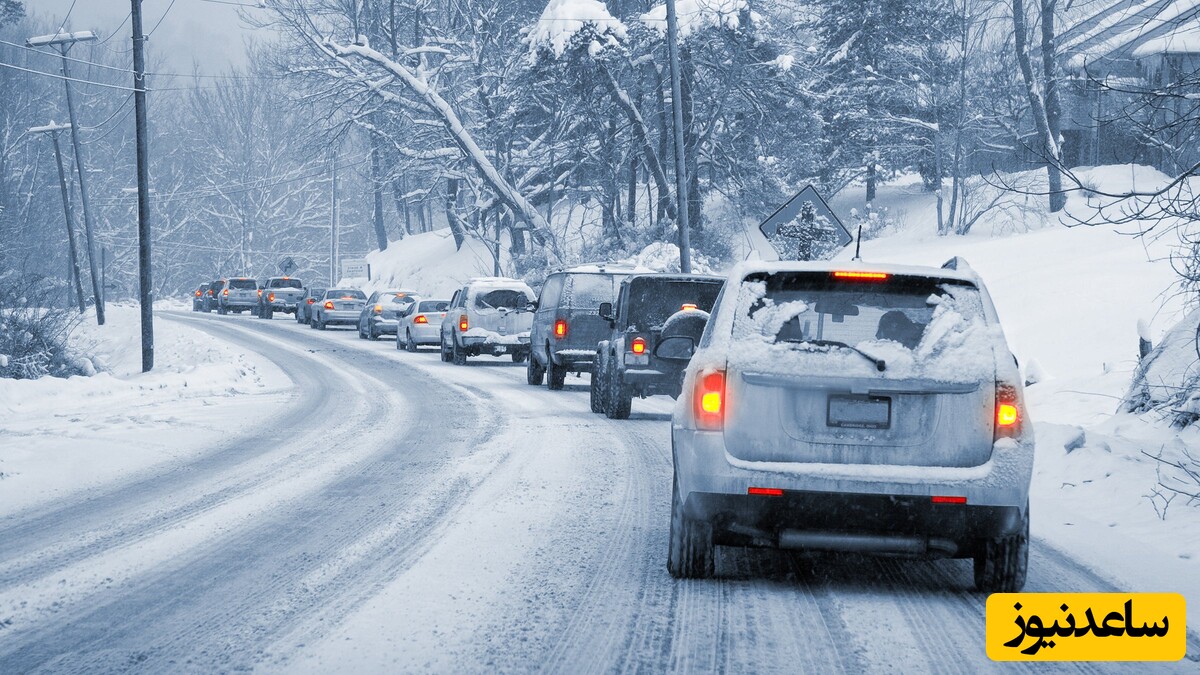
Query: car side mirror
point(606, 311)
point(675, 348)
point(532, 306)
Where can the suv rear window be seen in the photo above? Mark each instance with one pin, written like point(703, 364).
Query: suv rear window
point(284, 283)
point(243, 284)
point(508, 298)
point(316, 292)
point(909, 321)
point(587, 291)
point(653, 301)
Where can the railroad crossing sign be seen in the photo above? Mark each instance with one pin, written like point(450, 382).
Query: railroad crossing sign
point(802, 221)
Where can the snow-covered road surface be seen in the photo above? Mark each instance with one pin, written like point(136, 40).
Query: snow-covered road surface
point(399, 513)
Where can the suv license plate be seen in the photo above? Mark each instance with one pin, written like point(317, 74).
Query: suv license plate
point(859, 412)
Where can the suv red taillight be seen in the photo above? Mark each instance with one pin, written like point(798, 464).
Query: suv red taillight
point(260, 292)
point(638, 346)
point(560, 329)
point(270, 297)
point(379, 309)
point(420, 318)
point(328, 304)
point(1008, 411)
point(311, 301)
point(225, 292)
point(197, 294)
point(462, 323)
point(708, 400)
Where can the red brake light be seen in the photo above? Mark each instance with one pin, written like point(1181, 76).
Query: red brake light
point(1008, 414)
point(688, 307)
point(861, 276)
point(379, 309)
point(420, 318)
point(938, 499)
point(328, 304)
point(311, 300)
point(638, 346)
point(709, 400)
point(462, 323)
point(560, 329)
point(260, 292)
point(197, 294)
point(764, 492)
point(270, 297)
point(225, 292)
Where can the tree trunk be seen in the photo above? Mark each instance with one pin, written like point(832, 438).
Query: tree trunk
point(1037, 105)
point(870, 180)
point(377, 193)
point(1058, 199)
point(456, 227)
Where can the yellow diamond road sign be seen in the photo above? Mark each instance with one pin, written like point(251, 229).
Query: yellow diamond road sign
point(804, 216)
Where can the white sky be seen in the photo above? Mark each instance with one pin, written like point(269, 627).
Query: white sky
point(208, 34)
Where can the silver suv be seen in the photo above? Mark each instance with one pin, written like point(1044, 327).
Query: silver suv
point(850, 408)
point(490, 315)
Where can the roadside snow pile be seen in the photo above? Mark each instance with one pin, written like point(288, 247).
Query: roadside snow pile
point(662, 256)
point(63, 434)
point(562, 20)
point(1168, 378)
point(427, 263)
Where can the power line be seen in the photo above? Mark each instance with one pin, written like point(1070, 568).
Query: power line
point(68, 16)
point(160, 19)
point(63, 77)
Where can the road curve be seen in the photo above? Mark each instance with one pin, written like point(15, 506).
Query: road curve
point(406, 514)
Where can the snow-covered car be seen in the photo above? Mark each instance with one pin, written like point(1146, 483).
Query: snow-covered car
point(381, 314)
point(566, 327)
point(239, 294)
point(339, 306)
point(305, 304)
point(421, 324)
point(859, 408)
point(199, 298)
point(279, 294)
point(490, 315)
point(626, 362)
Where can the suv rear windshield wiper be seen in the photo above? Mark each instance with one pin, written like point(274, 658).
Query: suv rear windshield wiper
point(879, 364)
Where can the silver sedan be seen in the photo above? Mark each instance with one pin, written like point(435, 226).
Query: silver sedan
point(421, 324)
point(338, 306)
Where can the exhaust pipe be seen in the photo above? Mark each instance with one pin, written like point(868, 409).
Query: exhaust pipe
point(867, 543)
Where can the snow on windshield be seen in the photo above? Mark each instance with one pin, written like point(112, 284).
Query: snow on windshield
point(653, 300)
point(587, 291)
point(920, 328)
point(507, 298)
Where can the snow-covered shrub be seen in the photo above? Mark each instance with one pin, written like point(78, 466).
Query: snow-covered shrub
point(1168, 378)
point(35, 329)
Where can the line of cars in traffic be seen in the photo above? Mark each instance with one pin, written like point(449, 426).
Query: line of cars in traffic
point(818, 406)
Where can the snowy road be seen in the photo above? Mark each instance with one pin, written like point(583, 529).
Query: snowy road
point(399, 513)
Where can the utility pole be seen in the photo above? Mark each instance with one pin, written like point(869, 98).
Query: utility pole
point(145, 295)
point(685, 244)
point(54, 129)
point(64, 41)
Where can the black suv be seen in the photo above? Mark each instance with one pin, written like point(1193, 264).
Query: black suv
point(649, 307)
point(566, 327)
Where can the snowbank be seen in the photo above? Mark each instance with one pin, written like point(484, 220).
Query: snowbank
point(62, 435)
point(427, 263)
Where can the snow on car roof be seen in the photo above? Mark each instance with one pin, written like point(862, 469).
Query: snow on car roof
point(607, 267)
point(962, 273)
point(498, 282)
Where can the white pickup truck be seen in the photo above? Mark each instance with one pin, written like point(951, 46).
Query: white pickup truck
point(279, 294)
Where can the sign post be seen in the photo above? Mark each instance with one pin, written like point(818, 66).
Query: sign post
point(803, 225)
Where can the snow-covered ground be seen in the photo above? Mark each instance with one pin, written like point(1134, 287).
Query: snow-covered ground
point(61, 436)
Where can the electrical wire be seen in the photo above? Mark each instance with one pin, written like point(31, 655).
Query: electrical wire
point(160, 19)
point(69, 79)
point(68, 16)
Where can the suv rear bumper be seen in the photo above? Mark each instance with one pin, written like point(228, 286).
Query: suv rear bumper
point(703, 466)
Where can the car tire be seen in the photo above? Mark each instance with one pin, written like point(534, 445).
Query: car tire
point(446, 356)
point(596, 390)
point(221, 310)
point(459, 355)
point(410, 345)
point(320, 324)
point(372, 334)
point(534, 372)
point(268, 312)
point(556, 376)
point(618, 400)
point(1001, 564)
point(690, 543)
point(520, 356)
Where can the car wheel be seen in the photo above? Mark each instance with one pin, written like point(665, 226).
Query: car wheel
point(459, 355)
point(446, 357)
point(320, 324)
point(557, 376)
point(520, 356)
point(268, 312)
point(619, 397)
point(372, 334)
point(690, 552)
point(1001, 563)
point(596, 390)
point(221, 310)
point(410, 344)
point(534, 372)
